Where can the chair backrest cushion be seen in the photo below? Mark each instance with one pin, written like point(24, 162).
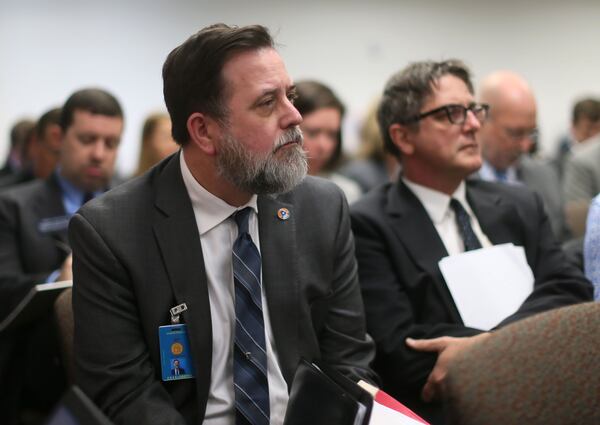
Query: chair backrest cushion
point(541, 370)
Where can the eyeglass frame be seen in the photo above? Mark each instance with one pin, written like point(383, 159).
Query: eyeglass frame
point(446, 108)
point(519, 134)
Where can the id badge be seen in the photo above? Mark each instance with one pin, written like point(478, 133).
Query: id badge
point(175, 354)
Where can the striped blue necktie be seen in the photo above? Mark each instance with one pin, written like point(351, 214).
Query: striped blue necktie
point(249, 354)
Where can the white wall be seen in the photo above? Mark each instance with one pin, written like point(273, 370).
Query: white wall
point(50, 49)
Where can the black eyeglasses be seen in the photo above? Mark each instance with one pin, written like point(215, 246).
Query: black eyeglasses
point(456, 114)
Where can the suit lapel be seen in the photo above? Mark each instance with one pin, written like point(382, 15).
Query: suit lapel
point(494, 216)
point(279, 273)
point(177, 235)
point(412, 225)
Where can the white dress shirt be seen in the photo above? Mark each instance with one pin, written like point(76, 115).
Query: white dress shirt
point(437, 205)
point(218, 231)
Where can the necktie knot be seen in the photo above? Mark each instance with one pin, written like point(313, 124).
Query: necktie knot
point(457, 207)
point(242, 218)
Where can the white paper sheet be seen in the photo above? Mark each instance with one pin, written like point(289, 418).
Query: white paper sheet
point(488, 284)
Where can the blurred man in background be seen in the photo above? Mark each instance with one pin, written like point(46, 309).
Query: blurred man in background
point(506, 138)
point(34, 245)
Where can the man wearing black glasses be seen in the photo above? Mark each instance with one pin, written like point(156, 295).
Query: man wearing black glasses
point(430, 122)
point(508, 135)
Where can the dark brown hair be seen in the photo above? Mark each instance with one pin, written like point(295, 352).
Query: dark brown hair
point(92, 100)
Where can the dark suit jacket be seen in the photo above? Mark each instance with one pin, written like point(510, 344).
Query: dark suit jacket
point(14, 179)
point(180, 371)
point(137, 253)
point(398, 249)
point(28, 254)
point(30, 238)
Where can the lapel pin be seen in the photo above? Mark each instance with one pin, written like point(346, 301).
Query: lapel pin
point(283, 213)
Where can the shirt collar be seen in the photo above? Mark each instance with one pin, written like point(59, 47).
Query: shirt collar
point(436, 203)
point(489, 173)
point(69, 191)
point(210, 209)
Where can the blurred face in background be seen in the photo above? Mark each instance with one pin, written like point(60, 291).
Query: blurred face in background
point(511, 129)
point(321, 136)
point(509, 133)
point(89, 150)
point(160, 141)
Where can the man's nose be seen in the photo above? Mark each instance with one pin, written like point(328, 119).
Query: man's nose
point(99, 150)
point(291, 117)
point(471, 121)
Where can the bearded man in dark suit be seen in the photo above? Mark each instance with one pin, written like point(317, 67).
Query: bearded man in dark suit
point(429, 120)
point(171, 239)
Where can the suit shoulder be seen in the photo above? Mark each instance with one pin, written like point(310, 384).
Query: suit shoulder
point(374, 201)
point(22, 193)
point(508, 192)
point(587, 153)
point(128, 200)
point(539, 165)
point(313, 187)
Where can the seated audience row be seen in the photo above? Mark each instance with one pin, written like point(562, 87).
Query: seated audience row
point(199, 285)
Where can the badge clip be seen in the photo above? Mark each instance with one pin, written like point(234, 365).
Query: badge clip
point(176, 312)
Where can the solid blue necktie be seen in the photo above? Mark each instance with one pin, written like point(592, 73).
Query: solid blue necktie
point(464, 226)
point(249, 354)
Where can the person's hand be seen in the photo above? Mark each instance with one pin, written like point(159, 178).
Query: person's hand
point(447, 348)
point(66, 270)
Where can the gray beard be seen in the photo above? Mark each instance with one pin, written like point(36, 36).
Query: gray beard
point(278, 171)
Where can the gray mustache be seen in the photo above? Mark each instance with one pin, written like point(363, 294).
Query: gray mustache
point(293, 135)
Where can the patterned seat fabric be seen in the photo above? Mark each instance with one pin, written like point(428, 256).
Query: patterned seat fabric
point(541, 370)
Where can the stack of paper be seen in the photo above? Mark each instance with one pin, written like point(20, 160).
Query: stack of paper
point(488, 284)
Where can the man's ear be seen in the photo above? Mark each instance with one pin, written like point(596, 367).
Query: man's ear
point(400, 137)
point(203, 130)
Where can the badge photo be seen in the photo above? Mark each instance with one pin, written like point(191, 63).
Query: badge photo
point(175, 355)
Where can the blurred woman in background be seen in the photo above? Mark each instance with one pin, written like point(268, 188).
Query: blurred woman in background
point(157, 142)
point(322, 114)
point(371, 166)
